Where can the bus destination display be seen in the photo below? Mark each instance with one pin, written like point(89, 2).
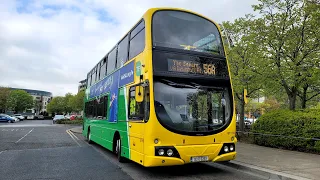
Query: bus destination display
point(191, 67)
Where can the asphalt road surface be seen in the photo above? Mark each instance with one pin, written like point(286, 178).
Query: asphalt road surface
point(40, 150)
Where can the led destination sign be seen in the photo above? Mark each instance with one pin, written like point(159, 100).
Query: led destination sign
point(191, 67)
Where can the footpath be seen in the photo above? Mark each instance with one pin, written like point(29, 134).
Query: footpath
point(278, 163)
point(271, 162)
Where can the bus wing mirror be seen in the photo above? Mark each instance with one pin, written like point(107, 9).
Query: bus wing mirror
point(139, 93)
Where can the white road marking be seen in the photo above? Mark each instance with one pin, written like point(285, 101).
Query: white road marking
point(25, 135)
point(2, 151)
point(73, 138)
point(25, 125)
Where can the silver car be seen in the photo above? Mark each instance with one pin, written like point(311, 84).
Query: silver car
point(57, 117)
point(19, 116)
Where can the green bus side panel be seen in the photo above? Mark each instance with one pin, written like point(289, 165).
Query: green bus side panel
point(122, 121)
point(102, 131)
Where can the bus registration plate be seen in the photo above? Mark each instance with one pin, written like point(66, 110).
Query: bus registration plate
point(199, 159)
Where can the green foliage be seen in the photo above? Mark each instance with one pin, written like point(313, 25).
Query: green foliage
point(66, 104)
point(66, 121)
point(56, 105)
point(77, 101)
point(292, 126)
point(19, 100)
point(289, 36)
point(4, 95)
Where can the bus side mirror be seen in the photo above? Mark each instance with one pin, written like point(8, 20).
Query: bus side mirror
point(139, 94)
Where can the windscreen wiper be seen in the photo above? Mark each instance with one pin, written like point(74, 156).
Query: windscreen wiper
point(198, 86)
point(178, 84)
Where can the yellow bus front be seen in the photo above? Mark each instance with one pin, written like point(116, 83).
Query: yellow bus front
point(189, 99)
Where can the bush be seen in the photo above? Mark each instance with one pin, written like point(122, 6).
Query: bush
point(47, 117)
point(287, 129)
point(67, 121)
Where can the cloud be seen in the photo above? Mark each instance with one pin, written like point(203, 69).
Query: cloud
point(51, 45)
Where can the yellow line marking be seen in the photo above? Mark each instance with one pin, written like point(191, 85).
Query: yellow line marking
point(73, 134)
point(73, 138)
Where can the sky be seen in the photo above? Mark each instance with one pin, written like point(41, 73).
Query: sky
point(51, 45)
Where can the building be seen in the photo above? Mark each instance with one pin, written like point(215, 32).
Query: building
point(82, 85)
point(42, 98)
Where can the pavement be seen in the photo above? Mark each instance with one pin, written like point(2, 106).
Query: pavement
point(42, 150)
point(284, 163)
point(271, 162)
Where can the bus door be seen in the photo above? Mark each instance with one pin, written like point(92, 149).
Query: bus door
point(138, 99)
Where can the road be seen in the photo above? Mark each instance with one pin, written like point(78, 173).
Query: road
point(40, 150)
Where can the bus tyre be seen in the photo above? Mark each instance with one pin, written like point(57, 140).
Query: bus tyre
point(89, 137)
point(118, 151)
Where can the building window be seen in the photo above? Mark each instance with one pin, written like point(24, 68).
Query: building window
point(112, 60)
point(122, 52)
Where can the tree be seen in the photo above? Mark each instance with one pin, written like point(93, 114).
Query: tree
point(289, 33)
point(77, 101)
point(244, 60)
point(56, 105)
point(4, 95)
point(19, 100)
point(67, 103)
point(37, 105)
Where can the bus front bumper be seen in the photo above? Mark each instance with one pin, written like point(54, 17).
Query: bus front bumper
point(151, 161)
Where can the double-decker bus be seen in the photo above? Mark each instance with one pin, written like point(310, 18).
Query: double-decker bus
point(163, 95)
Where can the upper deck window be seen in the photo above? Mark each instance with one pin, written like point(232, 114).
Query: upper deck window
point(182, 30)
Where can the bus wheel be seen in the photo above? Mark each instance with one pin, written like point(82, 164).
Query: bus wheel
point(89, 136)
point(118, 150)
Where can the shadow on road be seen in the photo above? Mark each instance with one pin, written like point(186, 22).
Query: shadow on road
point(191, 170)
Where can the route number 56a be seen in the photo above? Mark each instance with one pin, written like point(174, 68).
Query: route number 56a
point(209, 69)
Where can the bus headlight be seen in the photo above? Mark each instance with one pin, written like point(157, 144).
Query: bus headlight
point(226, 149)
point(169, 152)
point(161, 152)
point(231, 147)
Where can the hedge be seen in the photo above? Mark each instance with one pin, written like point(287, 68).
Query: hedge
point(294, 130)
point(66, 121)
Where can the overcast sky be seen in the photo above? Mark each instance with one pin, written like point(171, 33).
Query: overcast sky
point(51, 44)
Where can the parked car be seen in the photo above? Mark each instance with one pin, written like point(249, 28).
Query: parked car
point(6, 118)
point(40, 117)
point(57, 117)
point(30, 117)
point(73, 117)
point(15, 118)
point(19, 116)
point(67, 116)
